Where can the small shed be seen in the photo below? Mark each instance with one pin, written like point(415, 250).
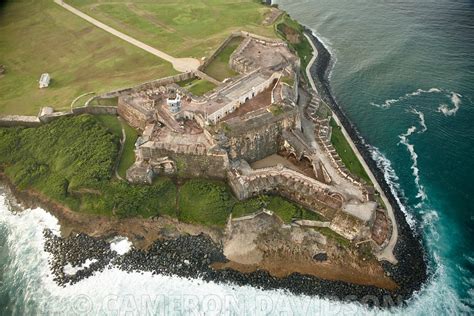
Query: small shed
point(44, 80)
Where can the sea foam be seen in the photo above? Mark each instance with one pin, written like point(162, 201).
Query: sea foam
point(116, 292)
point(455, 100)
point(391, 178)
point(388, 103)
point(414, 158)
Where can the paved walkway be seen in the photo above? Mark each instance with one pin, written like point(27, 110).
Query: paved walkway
point(387, 252)
point(180, 64)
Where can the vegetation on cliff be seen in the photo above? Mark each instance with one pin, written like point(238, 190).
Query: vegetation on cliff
point(285, 209)
point(71, 161)
point(292, 32)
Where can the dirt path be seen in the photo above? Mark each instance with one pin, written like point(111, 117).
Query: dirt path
point(180, 64)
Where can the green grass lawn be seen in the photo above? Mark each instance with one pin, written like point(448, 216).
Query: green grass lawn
point(219, 68)
point(199, 87)
point(38, 36)
point(105, 102)
point(181, 28)
point(346, 153)
point(111, 122)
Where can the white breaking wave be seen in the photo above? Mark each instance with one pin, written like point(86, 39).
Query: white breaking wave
point(115, 292)
point(421, 115)
point(69, 269)
point(329, 47)
point(388, 103)
point(414, 158)
point(455, 100)
point(121, 245)
point(391, 179)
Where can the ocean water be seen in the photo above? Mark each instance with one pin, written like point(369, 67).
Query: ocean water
point(404, 74)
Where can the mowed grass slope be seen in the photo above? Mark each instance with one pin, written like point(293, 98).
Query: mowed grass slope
point(39, 36)
point(182, 28)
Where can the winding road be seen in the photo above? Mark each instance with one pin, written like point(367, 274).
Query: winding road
point(179, 64)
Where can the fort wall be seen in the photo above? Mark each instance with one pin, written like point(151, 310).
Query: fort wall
point(131, 115)
point(191, 161)
point(258, 140)
point(34, 121)
point(149, 85)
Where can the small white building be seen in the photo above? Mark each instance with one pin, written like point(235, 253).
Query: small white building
point(174, 102)
point(44, 80)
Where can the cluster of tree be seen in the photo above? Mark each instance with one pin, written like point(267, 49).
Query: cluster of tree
point(71, 160)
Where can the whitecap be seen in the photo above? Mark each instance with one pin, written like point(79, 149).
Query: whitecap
point(391, 178)
point(121, 245)
point(388, 103)
point(329, 47)
point(69, 269)
point(414, 158)
point(421, 116)
point(117, 292)
point(455, 100)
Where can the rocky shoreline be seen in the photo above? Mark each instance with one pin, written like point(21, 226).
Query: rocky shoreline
point(193, 257)
point(189, 256)
point(411, 271)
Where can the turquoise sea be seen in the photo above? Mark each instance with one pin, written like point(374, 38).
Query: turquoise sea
point(404, 74)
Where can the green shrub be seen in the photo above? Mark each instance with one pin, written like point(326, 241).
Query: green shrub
point(205, 202)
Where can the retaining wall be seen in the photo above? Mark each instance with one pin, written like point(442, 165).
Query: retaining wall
point(34, 121)
point(150, 85)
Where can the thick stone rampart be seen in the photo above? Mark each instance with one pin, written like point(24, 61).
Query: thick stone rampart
point(191, 161)
point(19, 120)
point(289, 183)
point(149, 85)
point(34, 121)
point(260, 138)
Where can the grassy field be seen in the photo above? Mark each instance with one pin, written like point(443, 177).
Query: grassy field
point(346, 153)
point(181, 28)
point(219, 68)
point(197, 86)
point(38, 36)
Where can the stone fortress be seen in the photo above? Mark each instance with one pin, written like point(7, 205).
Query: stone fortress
point(249, 132)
